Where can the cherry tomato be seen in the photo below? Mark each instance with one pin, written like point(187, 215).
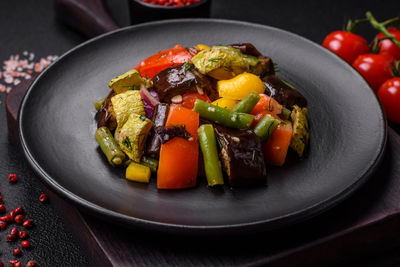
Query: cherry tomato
point(387, 46)
point(188, 99)
point(164, 59)
point(259, 116)
point(346, 45)
point(389, 95)
point(375, 68)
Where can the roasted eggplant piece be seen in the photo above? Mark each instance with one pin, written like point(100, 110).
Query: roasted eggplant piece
point(167, 133)
point(159, 118)
point(247, 48)
point(105, 116)
point(265, 65)
point(283, 93)
point(241, 156)
point(182, 79)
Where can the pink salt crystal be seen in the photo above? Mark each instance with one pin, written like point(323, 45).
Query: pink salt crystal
point(9, 79)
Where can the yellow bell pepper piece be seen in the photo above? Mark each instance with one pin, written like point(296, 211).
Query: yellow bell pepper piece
point(225, 103)
point(240, 86)
point(138, 173)
point(202, 47)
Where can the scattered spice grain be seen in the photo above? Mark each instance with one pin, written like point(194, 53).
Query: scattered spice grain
point(17, 251)
point(25, 244)
point(19, 67)
point(12, 177)
point(19, 219)
point(23, 234)
point(43, 198)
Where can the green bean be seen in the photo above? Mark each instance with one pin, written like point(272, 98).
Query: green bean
point(98, 104)
point(222, 116)
point(285, 114)
point(266, 126)
point(150, 162)
point(247, 104)
point(109, 147)
point(208, 147)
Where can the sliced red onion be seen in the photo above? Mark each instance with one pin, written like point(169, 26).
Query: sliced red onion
point(150, 100)
point(148, 109)
point(154, 93)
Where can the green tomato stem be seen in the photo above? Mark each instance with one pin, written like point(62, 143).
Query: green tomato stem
point(352, 25)
point(381, 27)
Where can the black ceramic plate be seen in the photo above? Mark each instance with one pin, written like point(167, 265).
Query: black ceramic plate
point(56, 128)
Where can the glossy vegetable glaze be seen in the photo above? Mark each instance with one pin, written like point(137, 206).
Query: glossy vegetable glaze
point(241, 155)
point(244, 118)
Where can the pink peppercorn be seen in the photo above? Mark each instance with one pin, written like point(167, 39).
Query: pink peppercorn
point(17, 251)
point(43, 198)
point(23, 234)
point(25, 244)
point(28, 223)
point(19, 219)
point(13, 177)
point(18, 210)
point(14, 231)
point(3, 225)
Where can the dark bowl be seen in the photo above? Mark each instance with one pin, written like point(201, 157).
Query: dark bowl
point(144, 12)
point(56, 129)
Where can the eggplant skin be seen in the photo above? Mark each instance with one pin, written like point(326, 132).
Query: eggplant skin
point(105, 116)
point(242, 157)
point(159, 118)
point(283, 93)
point(247, 48)
point(265, 65)
point(182, 79)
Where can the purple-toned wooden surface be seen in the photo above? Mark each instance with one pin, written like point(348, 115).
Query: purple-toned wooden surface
point(367, 222)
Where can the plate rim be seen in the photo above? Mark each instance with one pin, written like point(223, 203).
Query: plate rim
point(254, 226)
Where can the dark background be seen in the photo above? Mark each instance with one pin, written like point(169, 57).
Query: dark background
point(31, 25)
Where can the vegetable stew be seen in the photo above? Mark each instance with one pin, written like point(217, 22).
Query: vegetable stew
point(221, 105)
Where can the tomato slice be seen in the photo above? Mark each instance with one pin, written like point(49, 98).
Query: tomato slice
point(152, 65)
point(267, 103)
point(188, 99)
point(259, 116)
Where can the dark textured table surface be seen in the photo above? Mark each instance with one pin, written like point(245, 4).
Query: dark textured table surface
point(31, 25)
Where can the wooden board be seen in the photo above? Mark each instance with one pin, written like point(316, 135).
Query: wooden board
point(365, 223)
